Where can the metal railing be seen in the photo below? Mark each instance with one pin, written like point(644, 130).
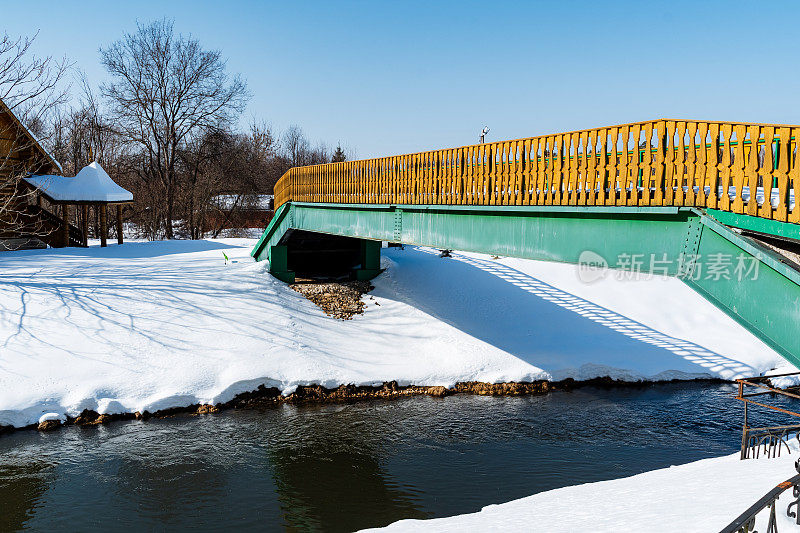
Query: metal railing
point(738, 167)
point(766, 441)
point(746, 522)
point(52, 226)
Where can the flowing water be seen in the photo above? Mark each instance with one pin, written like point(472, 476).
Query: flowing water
point(341, 467)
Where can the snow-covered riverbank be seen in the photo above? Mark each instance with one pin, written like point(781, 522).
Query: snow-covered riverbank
point(704, 495)
point(149, 326)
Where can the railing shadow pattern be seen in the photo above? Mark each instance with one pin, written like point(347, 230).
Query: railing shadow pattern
point(718, 364)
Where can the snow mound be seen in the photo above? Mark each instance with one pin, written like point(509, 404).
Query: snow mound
point(52, 416)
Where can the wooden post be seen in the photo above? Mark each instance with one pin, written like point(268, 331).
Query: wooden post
point(103, 224)
point(119, 223)
point(85, 223)
point(65, 225)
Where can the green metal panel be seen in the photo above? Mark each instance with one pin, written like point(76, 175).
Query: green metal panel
point(767, 301)
point(553, 233)
point(277, 227)
point(370, 255)
point(551, 236)
point(765, 255)
point(364, 223)
point(757, 224)
point(370, 260)
point(769, 305)
point(279, 263)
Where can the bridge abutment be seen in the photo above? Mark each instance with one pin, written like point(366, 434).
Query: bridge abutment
point(279, 263)
point(370, 260)
point(308, 254)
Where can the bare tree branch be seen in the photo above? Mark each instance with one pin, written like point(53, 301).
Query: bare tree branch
point(31, 90)
point(166, 92)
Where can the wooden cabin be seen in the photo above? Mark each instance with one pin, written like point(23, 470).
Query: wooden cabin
point(38, 205)
point(22, 223)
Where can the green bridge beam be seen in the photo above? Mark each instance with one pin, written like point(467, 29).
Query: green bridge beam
point(683, 242)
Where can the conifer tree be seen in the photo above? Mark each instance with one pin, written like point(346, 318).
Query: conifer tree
point(339, 155)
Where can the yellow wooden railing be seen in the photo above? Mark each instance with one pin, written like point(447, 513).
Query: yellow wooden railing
point(743, 168)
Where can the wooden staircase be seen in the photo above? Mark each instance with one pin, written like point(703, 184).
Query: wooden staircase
point(43, 225)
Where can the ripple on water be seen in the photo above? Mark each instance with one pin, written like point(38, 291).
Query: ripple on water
point(341, 467)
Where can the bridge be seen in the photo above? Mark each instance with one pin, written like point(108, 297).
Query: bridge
point(712, 203)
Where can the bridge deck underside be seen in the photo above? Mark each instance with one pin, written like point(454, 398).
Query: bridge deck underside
point(755, 287)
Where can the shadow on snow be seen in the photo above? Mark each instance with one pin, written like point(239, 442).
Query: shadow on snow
point(542, 324)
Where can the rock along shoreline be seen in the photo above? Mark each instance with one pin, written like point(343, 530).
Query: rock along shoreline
point(317, 394)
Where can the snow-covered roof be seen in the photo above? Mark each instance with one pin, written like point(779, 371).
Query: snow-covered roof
point(92, 184)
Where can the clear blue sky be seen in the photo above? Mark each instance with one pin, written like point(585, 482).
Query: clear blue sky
point(395, 77)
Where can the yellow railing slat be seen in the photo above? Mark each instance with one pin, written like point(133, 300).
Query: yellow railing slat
point(745, 168)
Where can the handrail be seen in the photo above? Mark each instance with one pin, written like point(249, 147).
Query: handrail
point(766, 440)
point(52, 234)
point(746, 522)
point(655, 163)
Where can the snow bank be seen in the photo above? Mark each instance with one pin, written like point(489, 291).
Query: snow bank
point(146, 326)
point(152, 325)
point(705, 495)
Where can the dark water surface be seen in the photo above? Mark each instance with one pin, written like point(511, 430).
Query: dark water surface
point(350, 466)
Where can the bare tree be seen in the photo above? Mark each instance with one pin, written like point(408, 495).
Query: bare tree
point(299, 151)
point(166, 91)
point(31, 89)
point(296, 145)
point(318, 154)
point(81, 134)
point(201, 181)
point(225, 176)
point(271, 164)
point(264, 141)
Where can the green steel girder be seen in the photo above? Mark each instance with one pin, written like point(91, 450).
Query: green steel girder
point(757, 224)
point(767, 304)
point(554, 233)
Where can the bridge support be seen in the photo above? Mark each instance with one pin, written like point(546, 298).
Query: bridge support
point(370, 260)
point(279, 263)
point(316, 255)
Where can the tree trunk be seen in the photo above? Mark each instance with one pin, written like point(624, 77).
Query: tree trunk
point(170, 210)
point(192, 229)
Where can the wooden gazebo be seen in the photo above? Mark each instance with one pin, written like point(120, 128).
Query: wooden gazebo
point(92, 187)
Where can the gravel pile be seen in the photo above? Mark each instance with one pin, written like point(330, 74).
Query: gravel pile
point(338, 299)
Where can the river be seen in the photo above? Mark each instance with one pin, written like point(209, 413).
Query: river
point(341, 467)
